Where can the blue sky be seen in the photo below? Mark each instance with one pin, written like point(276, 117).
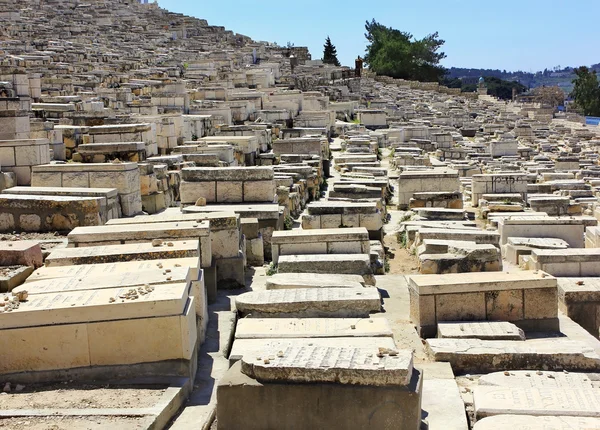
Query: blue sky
point(526, 35)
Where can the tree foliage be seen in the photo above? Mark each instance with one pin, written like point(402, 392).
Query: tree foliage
point(552, 96)
point(398, 54)
point(496, 87)
point(330, 53)
point(586, 91)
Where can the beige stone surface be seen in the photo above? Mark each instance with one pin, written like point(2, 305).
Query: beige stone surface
point(502, 305)
point(490, 400)
point(530, 422)
point(541, 379)
point(540, 303)
point(118, 253)
point(44, 348)
point(480, 282)
point(96, 305)
point(143, 340)
point(152, 276)
point(122, 268)
point(310, 302)
point(343, 365)
point(492, 355)
point(455, 307)
point(257, 347)
point(257, 328)
point(485, 330)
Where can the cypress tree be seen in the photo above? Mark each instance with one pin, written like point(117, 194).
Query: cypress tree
point(330, 53)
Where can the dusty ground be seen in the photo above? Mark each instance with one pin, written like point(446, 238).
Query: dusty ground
point(6, 271)
point(69, 396)
point(32, 236)
point(71, 423)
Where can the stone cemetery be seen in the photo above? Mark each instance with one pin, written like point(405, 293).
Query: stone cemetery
point(201, 231)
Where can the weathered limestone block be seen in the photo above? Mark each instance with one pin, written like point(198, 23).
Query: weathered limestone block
point(118, 253)
point(342, 365)
point(110, 206)
point(349, 406)
point(567, 262)
point(498, 184)
point(321, 241)
point(527, 299)
point(411, 182)
point(309, 302)
point(469, 355)
point(531, 422)
point(48, 213)
point(21, 253)
point(281, 281)
point(568, 229)
point(125, 177)
point(347, 264)
point(484, 330)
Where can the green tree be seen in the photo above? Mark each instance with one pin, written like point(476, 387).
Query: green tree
point(330, 53)
point(586, 91)
point(398, 54)
point(503, 89)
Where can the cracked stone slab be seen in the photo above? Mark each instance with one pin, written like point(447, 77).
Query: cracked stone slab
point(343, 365)
point(477, 355)
point(494, 400)
point(528, 422)
point(310, 302)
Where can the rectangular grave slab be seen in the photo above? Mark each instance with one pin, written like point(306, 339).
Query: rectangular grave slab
point(20, 253)
point(249, 404)
point(280, 281)
point(567, 262)
point(257, 328)
point(579, 299)
point(484, 330)
point(347, 264)
point(569, 229)
point(320, 241)
point(65, 351)
point(32, 213)
point(340, 365)
point(526, 299)
point(96, 305)
point(117, 268)
point(541, 379)
point(153, 276)
point(138, 232)
point(489, 401)
point(530, 422)
point(474, 355)
point(258, 347)
point(118, 253)
point(309, 303)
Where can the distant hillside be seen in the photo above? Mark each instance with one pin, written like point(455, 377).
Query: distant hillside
point(561, 77)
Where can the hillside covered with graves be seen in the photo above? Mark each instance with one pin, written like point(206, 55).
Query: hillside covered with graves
point(199, 230)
